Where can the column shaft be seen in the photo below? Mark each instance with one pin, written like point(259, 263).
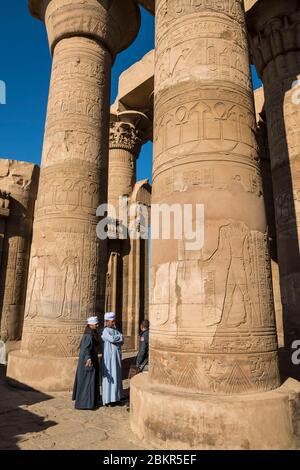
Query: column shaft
point(128, 131)
point(121, 176)
point(211, 312)
point(275, 41)
point(265, 164)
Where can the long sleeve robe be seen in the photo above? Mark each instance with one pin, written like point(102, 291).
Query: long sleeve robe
point(86, 391)
point(112, 389)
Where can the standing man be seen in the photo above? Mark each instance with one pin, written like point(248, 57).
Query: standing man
point(112, 388)
point(86, 391)
point(142, 357)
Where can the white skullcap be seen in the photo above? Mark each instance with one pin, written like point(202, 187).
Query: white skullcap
point(110, 316)
point(92, 321)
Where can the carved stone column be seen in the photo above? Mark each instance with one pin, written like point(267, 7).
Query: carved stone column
point(275, 46)
point(20, 180)
point(4, 214)
point(213, 346)
point(135, 268)
point(265, 165)
point(68, 263)
point(129, 130)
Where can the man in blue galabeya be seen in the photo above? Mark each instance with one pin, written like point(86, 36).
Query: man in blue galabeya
point(112, 389)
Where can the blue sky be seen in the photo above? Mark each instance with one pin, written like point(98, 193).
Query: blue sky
point(25, 65)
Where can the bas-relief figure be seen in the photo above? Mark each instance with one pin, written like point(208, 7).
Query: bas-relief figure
point(230, 269)
point(53, 287)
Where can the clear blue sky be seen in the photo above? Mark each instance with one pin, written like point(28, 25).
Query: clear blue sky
point(25, 65)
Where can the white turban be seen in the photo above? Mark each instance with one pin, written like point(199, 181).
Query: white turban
point(92, 321)
point(110, 316)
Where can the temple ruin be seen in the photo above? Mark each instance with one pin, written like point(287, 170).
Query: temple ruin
point(224, 315)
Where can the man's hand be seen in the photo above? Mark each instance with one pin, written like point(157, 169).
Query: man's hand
point(88, 363)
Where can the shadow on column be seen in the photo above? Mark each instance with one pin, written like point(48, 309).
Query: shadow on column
point(284, 243)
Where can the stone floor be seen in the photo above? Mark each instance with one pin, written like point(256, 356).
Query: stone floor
point(31, 420)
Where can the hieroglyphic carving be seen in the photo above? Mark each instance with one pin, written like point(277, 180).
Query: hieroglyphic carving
point(167, 11)
point(173, 64)
point(216, 373)
point(200, 41)
point(70, 144)
point(201, 128)
point(52, 340)
point(78, 194)
point(238, 180)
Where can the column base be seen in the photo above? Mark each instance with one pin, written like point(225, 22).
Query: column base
point(46, 374)
point(49, 374)
point(167, 418)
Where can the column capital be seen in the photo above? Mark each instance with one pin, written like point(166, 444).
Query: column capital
point(273, 28)
point(129, 130)
point(113, 23)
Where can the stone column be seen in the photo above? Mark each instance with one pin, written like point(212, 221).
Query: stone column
point(265, 165)
point(20, 180)
point(4, 214)
point(129, 130)
point(213, 347)
point(275, 46)
point(68, 263)
point(135, 280)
